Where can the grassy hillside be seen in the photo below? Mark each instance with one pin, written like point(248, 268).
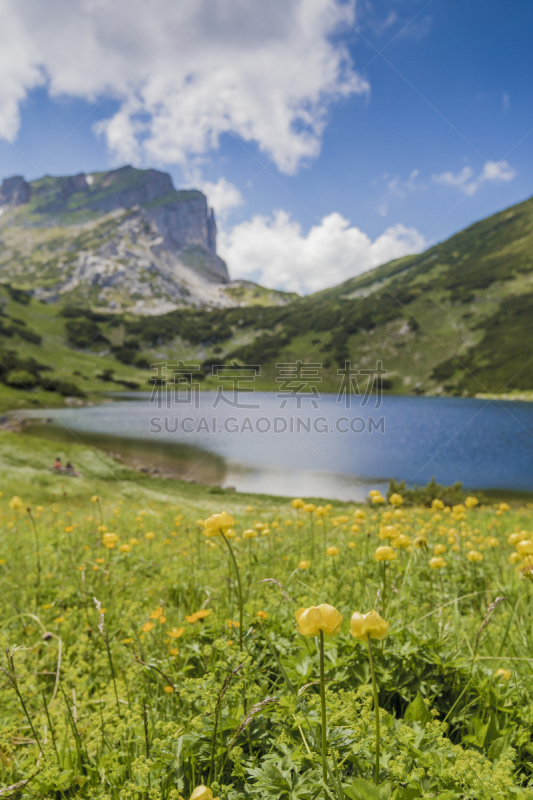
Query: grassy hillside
point(453, 320)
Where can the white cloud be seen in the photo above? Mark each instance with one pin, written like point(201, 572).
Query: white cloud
point(402, 188)
point(184, 73)
point(492, 172)
point(275, 252)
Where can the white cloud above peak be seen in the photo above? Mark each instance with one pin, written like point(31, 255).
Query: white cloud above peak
point(467, 182)
point(184, 74)
point(276, 253)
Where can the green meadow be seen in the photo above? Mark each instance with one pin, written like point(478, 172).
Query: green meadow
point(147, 653)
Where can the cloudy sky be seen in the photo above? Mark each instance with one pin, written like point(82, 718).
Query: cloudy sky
point(330, 135)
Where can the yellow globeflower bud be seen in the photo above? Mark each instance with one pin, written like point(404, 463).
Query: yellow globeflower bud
point(323, 618)
point(401, 541)
point(16, 503)
point(504, 507)
point(439, 549)
point(388, 532)
point(470, 502)
point(125, 548)
point(474, 555)
point(217, 523)
point(525, 547)
point(370, 624)
point(437, 503)
point(385, 553)
point(297, 503)
point(202, 793)
point(516, 537)
point(376, 498)
point(502, 673)
point(351, 545)
point(360, 515)
point(304, 564)
point(249, 534)
point(515, 558)
point(437, 562)
point(332, 551)
point(396, 499)
point(309, 507)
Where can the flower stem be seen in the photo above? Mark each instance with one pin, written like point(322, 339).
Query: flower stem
point(239, 589)
point(376, 706)
point(323, 707)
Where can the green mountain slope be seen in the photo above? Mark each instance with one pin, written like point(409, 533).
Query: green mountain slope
point(457, 319)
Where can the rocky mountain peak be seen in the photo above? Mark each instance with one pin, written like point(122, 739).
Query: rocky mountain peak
point(14, 191)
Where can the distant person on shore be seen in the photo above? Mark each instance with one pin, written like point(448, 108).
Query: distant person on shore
point(71, 471)
point(57, 465)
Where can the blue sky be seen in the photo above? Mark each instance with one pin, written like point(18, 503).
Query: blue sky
point(329, 135)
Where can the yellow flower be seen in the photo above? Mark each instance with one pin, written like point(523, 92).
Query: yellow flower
point(175, 633)
point(249, 534)
point(376, 497)
point(525, 547)
point(516, 537)
point(39, 508)
point(202, 793)
point(504, 507)
point(101, 528)
point(230, 534)
point(370, 624)
point(351, 545)
point(233, 623)
point(95, 498)
point(125, 548)
point(385, 553)
point(297, 503)
point(387, 532)
point(100, 560)
point(81, 567)
point(323, 618)
point(437, 503)
point(217, 523)
point(439, 549)
point(474, 555)
point(262, 614)
point(502, 673)
point(401, 541)
point(332, 551)
point(156, 613)
point(149, 535)
point(396, 499)
point(514, 558)
point(304, 564)
point(174, 651)
point(127, 641)
point(134, 541)
point(202, 614)
point(249, 509)
point(360, 515)
point(420, 541)
point(147, 627)
point(16, 503)
point(69, 529)
point(109, 540)
point(437, 562)
point(168, 689)
point(470, 502)
point(309, 507)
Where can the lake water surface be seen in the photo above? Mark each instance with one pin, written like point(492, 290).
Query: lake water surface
point(325, 451)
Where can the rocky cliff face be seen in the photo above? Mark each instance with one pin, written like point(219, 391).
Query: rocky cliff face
point(124, 238)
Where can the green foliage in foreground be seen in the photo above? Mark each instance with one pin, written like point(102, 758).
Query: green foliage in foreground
point(129, 710)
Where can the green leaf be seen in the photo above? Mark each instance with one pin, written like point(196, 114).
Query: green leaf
point(499, 747)
point(360, 789)
point(417, 711)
